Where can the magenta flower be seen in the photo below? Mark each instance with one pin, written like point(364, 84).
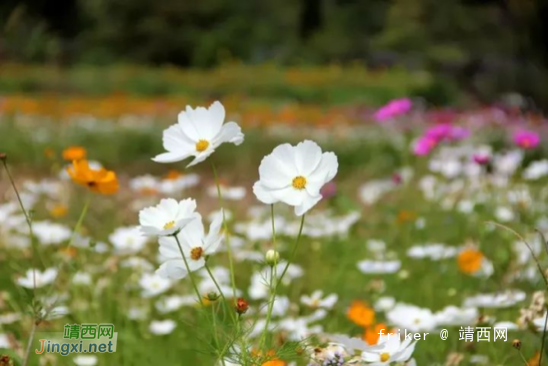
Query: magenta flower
point(424, 145)
point(446, 132)
point(393, 109)
point(481, 159)
point(526, 139)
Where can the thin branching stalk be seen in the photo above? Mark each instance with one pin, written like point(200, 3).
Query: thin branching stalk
point(188, 270)
point(528, 246)
point(523, 358)
point(71, 242)
point(36, 318)
point(29, 344)
point(225, 228)
point(215, 282)
point(292, 256)
point(277, 281)
point(272, 287)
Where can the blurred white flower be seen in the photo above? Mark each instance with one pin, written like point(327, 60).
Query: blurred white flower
point(42, 278)
point(412, 318)
point(85, 360)
point(50, 233)
point(504, 214)
point(127, 240)
point(168, 217)
point(153, 284)
point(536, 170)
point(452, 315)
point(379, 267)
point(162, 327)
point(294, 175)
point(316, 300)
point(198, 133)
point(496, 300)
point(229, 193)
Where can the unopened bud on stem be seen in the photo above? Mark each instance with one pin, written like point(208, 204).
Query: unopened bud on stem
point(272, 257)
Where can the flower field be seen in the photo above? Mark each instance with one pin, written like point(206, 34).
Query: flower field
point(272, 231)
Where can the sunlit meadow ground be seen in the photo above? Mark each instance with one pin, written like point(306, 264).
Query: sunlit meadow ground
point(383, 204)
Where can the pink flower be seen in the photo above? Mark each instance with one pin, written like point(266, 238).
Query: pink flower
point(447, 132)
point(424, 145)
point(481, 159)
point(328, 190)
point(393, 109)
point(526, 139)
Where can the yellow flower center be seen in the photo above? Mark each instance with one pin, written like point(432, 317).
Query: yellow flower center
point(196, 253)
point(299, 182)
point(169, 225)
point(201, 145)
point(385, 357)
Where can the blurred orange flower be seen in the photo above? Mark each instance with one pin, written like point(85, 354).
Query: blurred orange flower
point(361, 314)
point(99, 181)
point(535, 360)
point(275, 361)
point(58, 211)
point(49, 153)
point(470, 260)
point(371, 334)
point(74, 153)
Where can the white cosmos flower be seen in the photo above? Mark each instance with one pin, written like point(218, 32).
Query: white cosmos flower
point(42, 278)
point(153, 284)
point(412, 318)
point(127, 240)
point(195, 245)
point(316, 300)
point(294, 175)
point(198, 133)
point(392, 350)
point(85, 360)
point(161, 327)
point(168, 217)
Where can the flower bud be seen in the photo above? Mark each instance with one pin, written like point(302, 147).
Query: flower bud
point(212, 296)
point(272, 257)
point(241, 305)
point(3, 156)
point(516, 343)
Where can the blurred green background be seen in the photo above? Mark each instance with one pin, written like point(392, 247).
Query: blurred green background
point(482, 48)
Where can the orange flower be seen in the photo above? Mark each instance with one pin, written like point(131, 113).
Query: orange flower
point(58, 211)
point(470, 260)
point(49, 153)
point(535, 360)
point(99, 181)
point(275, 362)
point(406, 216)
point(371, 335)
point(361, 314)
point(172, 175)
point(74, 153)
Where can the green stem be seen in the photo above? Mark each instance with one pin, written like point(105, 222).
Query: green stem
point(71, 242)
point(225, 227)
point(215, 282)
point(292, 256)
point(188, 270)
point(543, 339)
point(273, 275)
